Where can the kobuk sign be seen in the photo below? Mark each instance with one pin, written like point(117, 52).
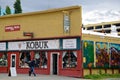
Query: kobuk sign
point(12, 28)
point(37, 45)
point(34, 45)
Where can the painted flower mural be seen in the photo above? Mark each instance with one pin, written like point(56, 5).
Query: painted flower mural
point(114, 50)
point(102, 55)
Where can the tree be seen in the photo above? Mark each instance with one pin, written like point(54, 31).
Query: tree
point(17, 7)
point(0, 11)
point(4, 13)
point(8, 10)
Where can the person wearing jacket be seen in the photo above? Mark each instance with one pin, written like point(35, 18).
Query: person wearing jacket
point(31, 69)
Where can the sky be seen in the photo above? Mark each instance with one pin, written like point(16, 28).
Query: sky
point(93, 11)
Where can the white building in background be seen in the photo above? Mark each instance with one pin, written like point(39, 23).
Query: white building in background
point(104, 27)
point(114, 30)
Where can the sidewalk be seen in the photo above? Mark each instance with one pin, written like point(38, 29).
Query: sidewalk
point(38, 77)
point(4, 76)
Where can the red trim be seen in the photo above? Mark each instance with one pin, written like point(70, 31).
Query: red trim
point(74, 72)
point(3, 69)
point(37, 71)
point(9, 59)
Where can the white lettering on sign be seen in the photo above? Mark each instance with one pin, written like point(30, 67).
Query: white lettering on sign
point(2, 46)
point(34, 45)
point(69, 44)
point(12, 28)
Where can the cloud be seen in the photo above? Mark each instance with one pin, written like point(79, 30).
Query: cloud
point(98, 16)
point(31, 5)
point(4, 3)
point(94, 11)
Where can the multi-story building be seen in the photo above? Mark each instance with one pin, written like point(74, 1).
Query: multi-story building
point(103, 27)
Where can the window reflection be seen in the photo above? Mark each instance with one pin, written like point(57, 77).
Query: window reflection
point(41, 59)
point(69, 59)
point(24, 59)
point(3, 59)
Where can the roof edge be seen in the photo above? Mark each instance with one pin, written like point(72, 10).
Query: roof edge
point(41, 12)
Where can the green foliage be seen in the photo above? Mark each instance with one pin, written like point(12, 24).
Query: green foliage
point(100, 71)
point(17, 7)
point(8, 10)
point(4, 13)
point(101, 76)
point(0, 10)
point(93, 76)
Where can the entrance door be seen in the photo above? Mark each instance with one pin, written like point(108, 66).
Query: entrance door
point(12, 69)
point(54, 63)
point(13, 60)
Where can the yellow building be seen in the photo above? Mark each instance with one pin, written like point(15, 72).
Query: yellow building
point(51, 37)
point(43, 24)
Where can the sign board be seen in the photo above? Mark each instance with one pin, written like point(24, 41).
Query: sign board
point(13, 71)
point(69, 43)
point(12, 28)
point(34, 45)
point(2, 46)
point(66, 23)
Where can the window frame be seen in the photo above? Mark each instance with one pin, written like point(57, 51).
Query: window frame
point(5, 55)
point(41, 66)
point(70, 60)
point(25, 64)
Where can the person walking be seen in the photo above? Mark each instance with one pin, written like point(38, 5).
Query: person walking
point(31, 69)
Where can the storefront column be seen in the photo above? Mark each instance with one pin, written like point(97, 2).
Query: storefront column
point(32, 55)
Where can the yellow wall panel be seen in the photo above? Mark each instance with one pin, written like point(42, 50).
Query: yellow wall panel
point(43, 24)
point(98, 38)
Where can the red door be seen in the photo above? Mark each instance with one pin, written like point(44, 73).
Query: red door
point(13, 60)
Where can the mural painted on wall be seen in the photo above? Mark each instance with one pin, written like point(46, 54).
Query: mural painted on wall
point(88, 52)
point(102, 55)
point(115, 55)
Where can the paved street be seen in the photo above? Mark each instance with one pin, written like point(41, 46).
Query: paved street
point(38, 77)
point(42, 77)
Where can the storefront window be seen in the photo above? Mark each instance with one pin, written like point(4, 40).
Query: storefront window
point(3, 59)
point(41, 59)
point(24, 59)
point(69, 59)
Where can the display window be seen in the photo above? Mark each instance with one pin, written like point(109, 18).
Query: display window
point(25, 58)
point(69, 59)
point(41, 59)
point(3, 60)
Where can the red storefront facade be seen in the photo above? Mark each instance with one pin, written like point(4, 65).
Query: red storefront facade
point(54, 56)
